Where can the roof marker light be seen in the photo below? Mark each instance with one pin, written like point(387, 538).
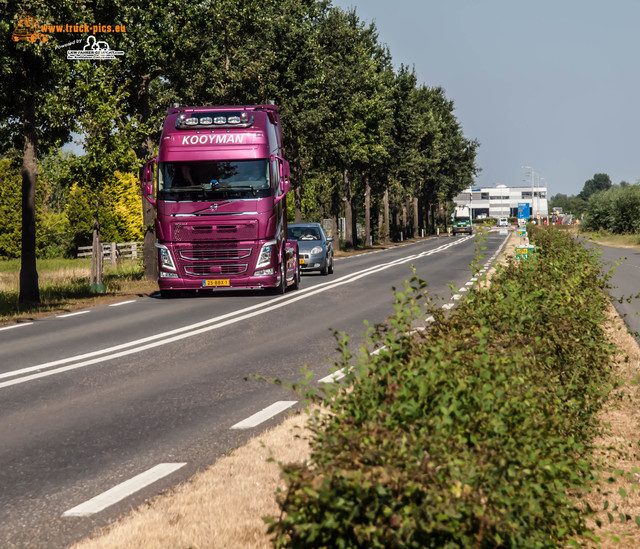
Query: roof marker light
point(206, 120)
point(233, 120)
point(191, 121)
point(220, 120)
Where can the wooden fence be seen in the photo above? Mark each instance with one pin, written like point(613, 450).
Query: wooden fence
point(112, 251)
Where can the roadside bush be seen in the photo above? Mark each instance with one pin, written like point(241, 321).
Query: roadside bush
point(616, 210)
point(476, 433)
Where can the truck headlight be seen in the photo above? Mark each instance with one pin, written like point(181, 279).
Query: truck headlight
point(264, 257)
point(166, 261)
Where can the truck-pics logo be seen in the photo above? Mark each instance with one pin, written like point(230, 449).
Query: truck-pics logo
point(94, 49)
point(28, 29)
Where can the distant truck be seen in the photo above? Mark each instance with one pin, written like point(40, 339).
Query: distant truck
point(462, 220)
point(219, 187)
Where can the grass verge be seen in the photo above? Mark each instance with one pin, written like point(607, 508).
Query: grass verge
point(64, 286)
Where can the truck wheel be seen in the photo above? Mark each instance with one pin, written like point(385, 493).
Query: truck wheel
point(282, 287)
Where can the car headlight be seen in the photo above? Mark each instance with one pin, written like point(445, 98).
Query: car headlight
point(316, 250)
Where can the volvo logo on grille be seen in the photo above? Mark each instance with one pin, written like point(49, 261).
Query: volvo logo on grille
point(214, 207)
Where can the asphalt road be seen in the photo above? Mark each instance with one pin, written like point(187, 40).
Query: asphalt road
point(625, 284)
point(106, 407)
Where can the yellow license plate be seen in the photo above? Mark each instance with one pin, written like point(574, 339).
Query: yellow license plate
point(216, 282)
point(301, 261)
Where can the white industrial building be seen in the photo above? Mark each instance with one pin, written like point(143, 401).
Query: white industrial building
point(503, 201)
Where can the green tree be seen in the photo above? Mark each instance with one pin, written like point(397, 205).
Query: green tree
point(599, 182)
point(616, 210)
point(10, 213)
point(34, 113)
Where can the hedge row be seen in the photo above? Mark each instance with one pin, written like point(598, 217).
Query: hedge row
point(476, 433)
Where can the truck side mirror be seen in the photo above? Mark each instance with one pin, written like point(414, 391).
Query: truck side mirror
point(148, 175)
point(285, 174)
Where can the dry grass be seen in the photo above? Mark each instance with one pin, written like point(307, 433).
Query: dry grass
point(620, 446)
point(10, 282)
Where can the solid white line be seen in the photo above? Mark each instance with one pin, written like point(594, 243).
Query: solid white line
point(122, 303)
point(264, 415)
point(332, 378)
point(72, 314)
point(15, 326)
point(204, 326)
point(123, 490)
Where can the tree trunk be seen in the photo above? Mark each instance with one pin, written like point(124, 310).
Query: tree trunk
point(367, 212)
point(297, 206)
point(149, 252)
point(416, 222)
point(387, 218)
point(29, 290)
point(348, 211)
point(144, 152)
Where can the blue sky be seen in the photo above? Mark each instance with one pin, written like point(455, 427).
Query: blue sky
point(550, 84)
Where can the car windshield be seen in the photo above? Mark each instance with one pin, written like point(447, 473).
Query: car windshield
point(304, 233)
point(213, 179)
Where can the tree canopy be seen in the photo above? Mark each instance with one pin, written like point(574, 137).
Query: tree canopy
point(366, 142)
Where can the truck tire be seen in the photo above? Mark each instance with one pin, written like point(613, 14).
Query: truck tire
point(282, 287)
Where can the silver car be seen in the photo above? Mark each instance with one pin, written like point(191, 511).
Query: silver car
point(314, 247)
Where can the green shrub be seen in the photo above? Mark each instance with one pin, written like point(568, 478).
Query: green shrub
point(476, 433)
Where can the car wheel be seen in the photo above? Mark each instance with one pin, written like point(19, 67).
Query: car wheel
point(325, 269)
point(296, 276)
point(331, 267)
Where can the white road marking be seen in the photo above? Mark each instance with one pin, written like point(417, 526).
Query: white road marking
point(15, 326)
point(72, 314)
point(447, 306)
point(123, 490)
point(332, 378)
point(122, 303)
point(157, 340)
point(263, 415)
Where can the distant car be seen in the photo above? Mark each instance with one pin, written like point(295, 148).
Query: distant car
point(462, 225)
point(503, 222)
point(314, 247)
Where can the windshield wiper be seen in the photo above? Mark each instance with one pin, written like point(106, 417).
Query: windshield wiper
point(243, 188)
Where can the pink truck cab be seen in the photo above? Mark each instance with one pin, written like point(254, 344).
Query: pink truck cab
point(219, 186)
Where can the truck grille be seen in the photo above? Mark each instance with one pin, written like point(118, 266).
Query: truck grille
point(207, 270)
point(213, 255)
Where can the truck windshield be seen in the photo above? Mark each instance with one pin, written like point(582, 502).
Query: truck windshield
point(462, 220)
point(206, 180)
